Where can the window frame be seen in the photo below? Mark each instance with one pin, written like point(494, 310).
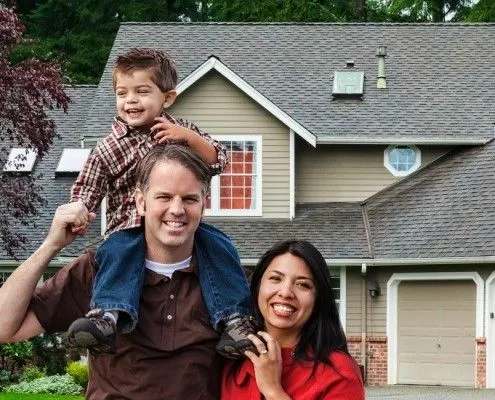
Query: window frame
point(69, 153)
point(391, 168)
point(215, 210)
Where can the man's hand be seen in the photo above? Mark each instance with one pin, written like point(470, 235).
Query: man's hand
point(164, 130)
point(70, 220)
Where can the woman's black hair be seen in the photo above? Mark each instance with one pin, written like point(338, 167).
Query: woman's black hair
point(322, 334)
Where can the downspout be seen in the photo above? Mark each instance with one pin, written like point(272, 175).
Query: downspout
point(364, 292)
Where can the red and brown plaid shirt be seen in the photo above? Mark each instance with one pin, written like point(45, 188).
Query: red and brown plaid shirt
point(110, 169)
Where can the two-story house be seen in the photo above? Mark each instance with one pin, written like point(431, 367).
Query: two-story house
point(372, 141)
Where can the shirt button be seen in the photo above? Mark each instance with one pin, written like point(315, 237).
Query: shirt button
point(172, 297)
point(169, 317)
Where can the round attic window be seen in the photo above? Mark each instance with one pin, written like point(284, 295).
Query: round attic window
point(402, 160)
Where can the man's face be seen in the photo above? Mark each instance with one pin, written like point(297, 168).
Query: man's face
point(172, 206)
point(139, 99)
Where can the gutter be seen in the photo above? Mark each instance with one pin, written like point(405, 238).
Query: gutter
point(406, 140)
point(56, 262)
point(383, 262)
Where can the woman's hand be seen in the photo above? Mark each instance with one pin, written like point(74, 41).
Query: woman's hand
point(267, 366)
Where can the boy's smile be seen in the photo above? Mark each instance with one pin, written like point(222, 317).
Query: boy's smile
point(139, 99)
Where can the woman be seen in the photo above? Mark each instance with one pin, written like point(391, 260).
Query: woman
point(303, 354)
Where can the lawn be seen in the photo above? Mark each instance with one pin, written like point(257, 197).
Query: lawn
point(22, 396)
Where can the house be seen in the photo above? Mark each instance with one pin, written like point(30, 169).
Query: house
point(374, 142)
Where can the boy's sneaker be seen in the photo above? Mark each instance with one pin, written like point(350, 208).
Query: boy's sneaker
point(96, 332)
point(233, 341)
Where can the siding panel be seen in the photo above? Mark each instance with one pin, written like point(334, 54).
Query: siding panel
point(218, 107)
point(345, 173)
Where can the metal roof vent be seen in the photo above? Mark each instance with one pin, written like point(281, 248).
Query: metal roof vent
point(348, 82)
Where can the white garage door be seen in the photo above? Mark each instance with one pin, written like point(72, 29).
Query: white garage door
point(436, 332)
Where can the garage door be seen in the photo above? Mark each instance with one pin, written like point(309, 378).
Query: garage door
point(436, 332)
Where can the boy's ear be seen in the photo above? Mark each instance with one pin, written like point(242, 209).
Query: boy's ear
point(169, 99)
point(140, 202)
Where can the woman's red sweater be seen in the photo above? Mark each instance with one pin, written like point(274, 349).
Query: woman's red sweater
point(341, 381)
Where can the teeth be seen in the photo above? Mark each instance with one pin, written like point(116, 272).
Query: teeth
point(283, 309)
point(175, 224)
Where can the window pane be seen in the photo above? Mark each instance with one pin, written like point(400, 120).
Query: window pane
point(402, 158)
point(237, 182)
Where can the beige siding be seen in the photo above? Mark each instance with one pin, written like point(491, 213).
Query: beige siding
point(345, 173)
point(218, 107)
point(377, 307)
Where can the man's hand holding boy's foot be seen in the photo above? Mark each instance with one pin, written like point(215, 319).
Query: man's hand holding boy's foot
point(234, 340)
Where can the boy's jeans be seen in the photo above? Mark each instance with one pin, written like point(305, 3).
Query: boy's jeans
point(120, 275)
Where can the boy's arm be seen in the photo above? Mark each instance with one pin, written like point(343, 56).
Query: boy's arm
point(91, 183)
point(209, 149)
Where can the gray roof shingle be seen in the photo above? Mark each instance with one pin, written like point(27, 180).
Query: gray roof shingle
point(441, 77)
point(445, 210)
point(336, 229)
point(56, 188)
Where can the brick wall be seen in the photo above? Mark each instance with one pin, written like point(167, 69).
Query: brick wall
point(480, 364)
point(376, 358)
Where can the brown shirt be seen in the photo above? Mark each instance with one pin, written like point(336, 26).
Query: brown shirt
point(171, 353)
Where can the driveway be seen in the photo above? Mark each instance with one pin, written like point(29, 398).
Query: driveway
point(427, 393)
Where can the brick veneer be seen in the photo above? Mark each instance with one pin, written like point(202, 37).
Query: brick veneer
point(480, 378)
point(376, 358)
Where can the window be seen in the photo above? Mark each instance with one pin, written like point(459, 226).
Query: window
point(402, 160)
point(20, 160)
point(72, 160)
point(237, 191)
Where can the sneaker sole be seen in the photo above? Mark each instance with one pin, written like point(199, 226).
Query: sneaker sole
point(84, 339)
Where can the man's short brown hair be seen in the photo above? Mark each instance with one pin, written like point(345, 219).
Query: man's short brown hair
point(180, 154)
point(160, 64)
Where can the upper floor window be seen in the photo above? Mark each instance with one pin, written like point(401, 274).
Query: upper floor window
point(237, 191)
point(402, 160)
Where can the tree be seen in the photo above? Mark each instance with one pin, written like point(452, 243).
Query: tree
point(425, 10)
point(79, 33)
point(27, 90)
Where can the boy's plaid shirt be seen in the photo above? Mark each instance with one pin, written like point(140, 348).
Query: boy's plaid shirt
point(109, 171)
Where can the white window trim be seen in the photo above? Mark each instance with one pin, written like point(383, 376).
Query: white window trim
point(215, 181)
point(343, 297)
point(292, 175)
point(490, 332)
point(391, 169)
point(392, 302)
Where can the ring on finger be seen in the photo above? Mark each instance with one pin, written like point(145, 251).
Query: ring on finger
point(263, 351)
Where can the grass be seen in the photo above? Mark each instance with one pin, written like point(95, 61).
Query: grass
point(25, 396)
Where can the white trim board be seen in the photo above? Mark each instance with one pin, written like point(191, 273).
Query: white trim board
point(392, 300)
point(214, 63)
point(490, 331)
point(292, 175)
point(343, 298)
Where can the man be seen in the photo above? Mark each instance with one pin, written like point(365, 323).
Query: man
point(171, 354)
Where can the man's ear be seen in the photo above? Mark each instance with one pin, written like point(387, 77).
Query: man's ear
point(169, 99)
point(140, 202)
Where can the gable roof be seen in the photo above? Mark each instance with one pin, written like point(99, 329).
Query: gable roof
point(56, 188)
point(438, 91)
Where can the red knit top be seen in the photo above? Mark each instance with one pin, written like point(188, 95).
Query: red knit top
point(341, 381)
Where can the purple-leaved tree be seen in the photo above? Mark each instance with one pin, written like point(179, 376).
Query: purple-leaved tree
point(27, 91)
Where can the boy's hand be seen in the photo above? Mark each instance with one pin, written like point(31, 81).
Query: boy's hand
point(164, 131)
point(69, 221)
point(83, 218)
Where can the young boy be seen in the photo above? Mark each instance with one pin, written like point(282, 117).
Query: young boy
point(144, 81)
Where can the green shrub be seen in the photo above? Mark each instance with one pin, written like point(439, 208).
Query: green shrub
point(54, 384)
point(5, 378)
point(79, 372)
point(31, 373)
